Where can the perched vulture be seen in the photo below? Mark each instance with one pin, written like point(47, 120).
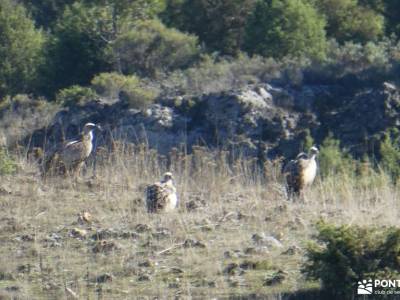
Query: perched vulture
point(70, 156)
point(301, 172)
point(161, 196)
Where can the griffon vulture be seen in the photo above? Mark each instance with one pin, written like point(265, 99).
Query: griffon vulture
point(301, 172)
point(70, 156)
point(161, 196)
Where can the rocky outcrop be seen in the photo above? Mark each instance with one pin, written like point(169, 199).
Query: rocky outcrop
point(260, 120)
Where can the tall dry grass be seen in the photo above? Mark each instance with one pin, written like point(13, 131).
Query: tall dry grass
point(224, 202)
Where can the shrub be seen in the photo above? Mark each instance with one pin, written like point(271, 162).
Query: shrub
point(219, 24)
point(130, 89)
point(21, 50)
point(214, 75)
point(109, 85)
point(332, 160)
point(343, 255)
point(7, 163)
point(285, 27)
point(77, 51)
point(390, 154)
point(348, 20)
point(369, 64)
point(75, 95)
point(307, 141)
point(150, 47)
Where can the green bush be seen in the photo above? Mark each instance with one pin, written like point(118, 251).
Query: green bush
point(21, 50)
point(278, 28)
point(75, 95)
point(390, 154)
point(348, 20)
point(109, 85)
point(7, 163)
point(333, 160)
point(150, 47)
point(357, 57)
point(370, 63)
point(213, 74)
point(219, 24)
point(130, 89)
point(342, 255)
point(307, 141)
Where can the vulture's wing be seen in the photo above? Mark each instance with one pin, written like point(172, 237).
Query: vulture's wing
point(156, 197)
point(73, 152)
point(51, 157)
point(292, 172)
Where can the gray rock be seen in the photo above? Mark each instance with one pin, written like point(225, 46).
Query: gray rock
point(103, 278)
point(266, 240)
point(276, 278)
point(230, 269)
point(191, 243)
point(264, 120)
point(144, 277)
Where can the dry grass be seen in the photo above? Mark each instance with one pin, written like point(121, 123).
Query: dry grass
point(205, 249)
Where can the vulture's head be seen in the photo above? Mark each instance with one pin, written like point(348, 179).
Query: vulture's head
point(168, 176)
point(89, 127)
point(314, 151)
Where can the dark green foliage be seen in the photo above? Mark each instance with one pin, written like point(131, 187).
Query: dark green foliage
point(75, 95)
point(131, 90)
point(21, 48)
point(173, 15)
point(46, 12)
point(390, 154)
point(7, 163)
point(214, 75)
point(150, 47)
point(347, 20)
point(333, 160)
point(219, 24)
point(78, 50)
point(342, 255)
point(284, 27)
point(390, 9)
point(83, 38)
point(308, 141)
point(123, 11)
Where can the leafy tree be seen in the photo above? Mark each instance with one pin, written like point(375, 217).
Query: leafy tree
point(133, 9)
point(78, 50)
point(85, 35)
point(390, 10)
point(285, 27)
point(46, 12)
point(392, 16)
point(21, 48)
point(220, 24)
point(151, 47)
point(347, 20)
point(173, 15)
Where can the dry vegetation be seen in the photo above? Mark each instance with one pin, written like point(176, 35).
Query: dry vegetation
point(234, 234)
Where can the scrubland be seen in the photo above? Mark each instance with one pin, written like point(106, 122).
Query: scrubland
point(235, 234)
